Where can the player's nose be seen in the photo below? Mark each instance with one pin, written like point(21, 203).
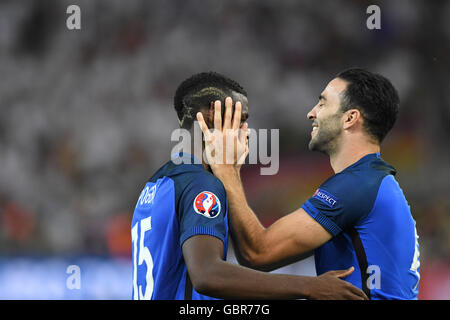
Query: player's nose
point(311, 115)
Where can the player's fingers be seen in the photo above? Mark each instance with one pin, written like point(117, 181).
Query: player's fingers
point(352, 296)
point(243, 133)
point(357, 293)
point(203, 126)
point(360, 293)
point(343, 273)
point(354, 292)
point(217, 115)
point(227, 118)
point(237, 115)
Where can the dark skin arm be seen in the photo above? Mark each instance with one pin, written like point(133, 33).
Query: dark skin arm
point(212, 276)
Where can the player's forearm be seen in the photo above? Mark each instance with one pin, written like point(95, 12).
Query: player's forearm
point(247, 231)
point(229, 281)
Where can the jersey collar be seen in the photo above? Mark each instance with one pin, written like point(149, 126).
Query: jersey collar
point(367, 157)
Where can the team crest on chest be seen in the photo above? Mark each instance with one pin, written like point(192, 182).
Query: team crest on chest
point(207, 204)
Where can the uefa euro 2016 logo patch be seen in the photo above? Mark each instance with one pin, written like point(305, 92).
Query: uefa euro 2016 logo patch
point(207, 204)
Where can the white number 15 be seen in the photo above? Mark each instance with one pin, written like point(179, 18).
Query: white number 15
point(144, 257)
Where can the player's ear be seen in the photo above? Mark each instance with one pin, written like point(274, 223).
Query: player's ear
point(351, 117)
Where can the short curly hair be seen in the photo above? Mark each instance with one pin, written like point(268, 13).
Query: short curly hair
point(198, 91)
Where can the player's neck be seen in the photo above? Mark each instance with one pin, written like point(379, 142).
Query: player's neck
point(206, 166)
point(351, 152)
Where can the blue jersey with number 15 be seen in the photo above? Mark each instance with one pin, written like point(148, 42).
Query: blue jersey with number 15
point(178, 202)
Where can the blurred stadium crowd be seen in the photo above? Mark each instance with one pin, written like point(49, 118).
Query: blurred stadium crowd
point(86, 115)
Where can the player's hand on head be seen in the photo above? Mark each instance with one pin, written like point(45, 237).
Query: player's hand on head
point(330, 286)
point(227, 143)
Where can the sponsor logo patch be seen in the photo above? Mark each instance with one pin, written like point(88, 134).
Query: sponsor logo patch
point(325, 197)
point(207, 204)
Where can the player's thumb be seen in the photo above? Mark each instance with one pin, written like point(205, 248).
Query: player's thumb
point(343, 273)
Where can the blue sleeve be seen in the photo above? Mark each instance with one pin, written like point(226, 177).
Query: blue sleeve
point(202, 209)
point(339, 203)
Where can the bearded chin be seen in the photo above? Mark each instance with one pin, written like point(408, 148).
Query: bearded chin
point(316, 145)
point(324, 142)
point(312, 145)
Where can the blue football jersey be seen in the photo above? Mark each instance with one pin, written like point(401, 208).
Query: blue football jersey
point(365, 210)
point(178, 202)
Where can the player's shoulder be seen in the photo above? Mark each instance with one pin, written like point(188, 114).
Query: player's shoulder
point(185, 173)
point(359, 181)
point(349, 196)
point(193, 179)
point(196, 174)
point(195, 185)
point(189, 180)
